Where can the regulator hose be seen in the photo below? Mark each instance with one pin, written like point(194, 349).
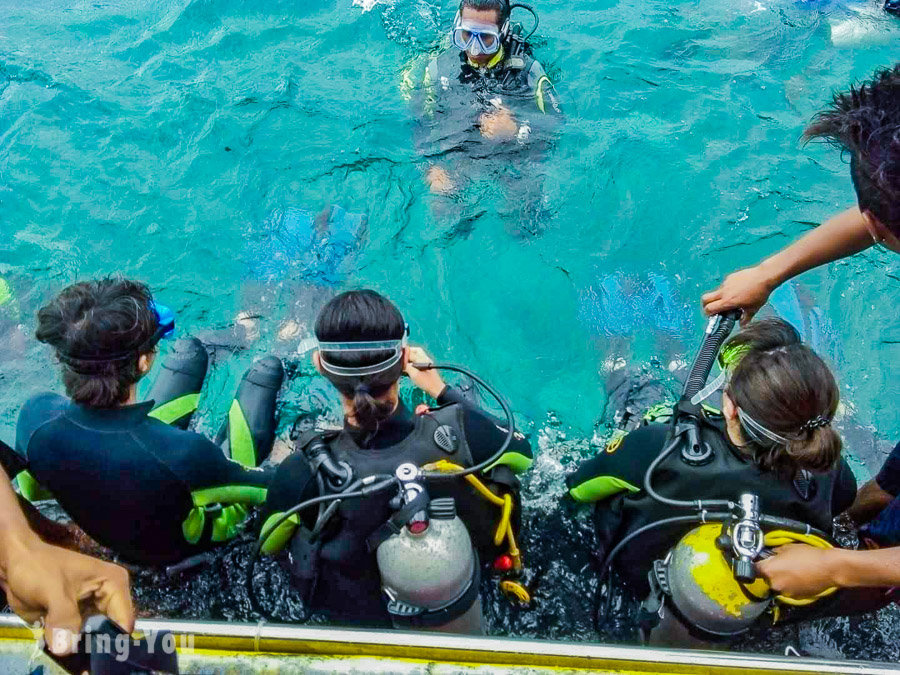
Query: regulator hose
point(528, 8)
point(362, 487)
point(606, 566)
point(718, 331)
point(510, 423)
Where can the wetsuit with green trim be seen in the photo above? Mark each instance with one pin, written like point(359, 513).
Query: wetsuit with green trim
point(614, 479)
point(348, 587)
point(153, 493)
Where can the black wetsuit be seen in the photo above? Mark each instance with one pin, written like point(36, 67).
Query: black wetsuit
point(125, 478)
point(614, 479)
point(455, 93)
point(349, 586)
point(150, 491)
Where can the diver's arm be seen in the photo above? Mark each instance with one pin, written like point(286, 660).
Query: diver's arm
point(293, 483)
point(870, 501)
point(59, 586)
point(485, 433)
point(803, 571)
point(206, 468)
point(620, 467)
point(875, 495)
point(749, 289)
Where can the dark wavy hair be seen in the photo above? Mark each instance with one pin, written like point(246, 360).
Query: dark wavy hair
point(499, 6)
point(93, 319)
point(783, 384)
point(362, 316)
point(865, 121)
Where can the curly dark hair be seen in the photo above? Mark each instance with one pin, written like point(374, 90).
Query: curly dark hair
point(99, 330)
point(865, 121)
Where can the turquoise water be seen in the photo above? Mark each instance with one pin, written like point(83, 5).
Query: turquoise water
point(157, 139)
point(166, 140)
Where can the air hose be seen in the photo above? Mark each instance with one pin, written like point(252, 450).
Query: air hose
point(510, 424)
point(717, 332)
point(359, 488)
point(373, 484)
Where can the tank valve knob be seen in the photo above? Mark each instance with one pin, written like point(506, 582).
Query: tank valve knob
point(724, 542)
point(744, 571)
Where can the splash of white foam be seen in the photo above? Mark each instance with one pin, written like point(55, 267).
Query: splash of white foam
point(366, 5)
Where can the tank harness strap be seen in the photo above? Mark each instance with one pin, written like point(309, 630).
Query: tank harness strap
point(396, 522)
point(454, 610)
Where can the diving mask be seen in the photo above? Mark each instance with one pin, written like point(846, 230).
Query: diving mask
point(394, 346)
point(477, 38)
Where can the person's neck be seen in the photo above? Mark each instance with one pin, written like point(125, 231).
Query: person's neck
point(132, 396)
point(347, 404)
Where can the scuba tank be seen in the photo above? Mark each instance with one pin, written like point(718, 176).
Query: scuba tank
point(430, 575)
point(708, 579)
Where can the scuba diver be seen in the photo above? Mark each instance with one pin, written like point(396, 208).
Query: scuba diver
point(773, 440)
point(487, 111)
point(173, 493)
point(344, 558)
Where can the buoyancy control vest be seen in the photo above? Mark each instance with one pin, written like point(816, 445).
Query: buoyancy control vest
point(806, 498)
point(346, 582)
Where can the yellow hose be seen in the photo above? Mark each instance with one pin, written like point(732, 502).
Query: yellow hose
point(504, 527)
point(777, 538)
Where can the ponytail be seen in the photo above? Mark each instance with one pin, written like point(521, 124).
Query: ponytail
point(786, 398)
point(368, 411)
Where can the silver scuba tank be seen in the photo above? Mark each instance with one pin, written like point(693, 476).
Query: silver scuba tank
point(430, 573)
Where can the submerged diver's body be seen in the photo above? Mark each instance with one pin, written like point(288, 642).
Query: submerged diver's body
point(348, 588)
point(485, 98)
point(174, 493)
point(808, 482)
point(291, 271)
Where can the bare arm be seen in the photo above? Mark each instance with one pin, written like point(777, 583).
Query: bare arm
point(802, 571)
point(749, 289)
point(50, 583)
point(870, 501)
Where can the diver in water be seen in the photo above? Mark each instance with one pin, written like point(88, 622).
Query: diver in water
point(773, 438)
point(488, 80)
point(173, 493)
point(332, 563)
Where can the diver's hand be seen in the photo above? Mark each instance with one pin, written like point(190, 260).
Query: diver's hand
point(801, 571)
point(748, 289)
point(429, 381)
point(439, 180)
point(62, 588)
point(499, 124)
